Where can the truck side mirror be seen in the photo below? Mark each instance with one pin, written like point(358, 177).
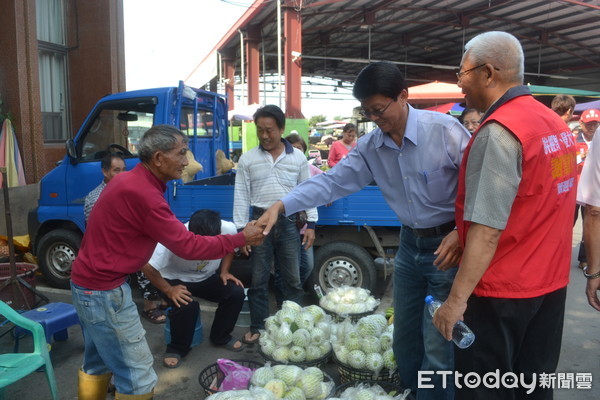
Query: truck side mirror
point(71, 151)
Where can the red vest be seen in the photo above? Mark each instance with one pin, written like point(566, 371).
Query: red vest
point(534, 252)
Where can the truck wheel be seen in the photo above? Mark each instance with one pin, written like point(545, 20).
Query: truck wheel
point(344, 263)
point(56, 252)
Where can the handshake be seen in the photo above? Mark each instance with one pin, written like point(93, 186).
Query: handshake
point(253, 232)
point(256, 231)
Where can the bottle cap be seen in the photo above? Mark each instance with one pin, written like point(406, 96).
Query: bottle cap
point(429, 299)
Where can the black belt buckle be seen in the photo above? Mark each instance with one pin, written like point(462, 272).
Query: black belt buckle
point(434, 231)
point(257, 212)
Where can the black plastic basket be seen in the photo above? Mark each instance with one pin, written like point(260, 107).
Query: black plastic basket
point(349, 374)
point(211, 377)
point(391, 388)
point(342, 317)
point(319, 362)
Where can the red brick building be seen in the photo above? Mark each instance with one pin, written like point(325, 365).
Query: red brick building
point(58, 58)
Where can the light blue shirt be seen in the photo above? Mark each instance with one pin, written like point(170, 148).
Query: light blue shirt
point(419, 180)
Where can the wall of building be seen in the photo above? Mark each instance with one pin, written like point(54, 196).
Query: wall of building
point(96, 67)
point(19, 82)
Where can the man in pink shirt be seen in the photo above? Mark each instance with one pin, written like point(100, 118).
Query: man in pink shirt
point(130, 217)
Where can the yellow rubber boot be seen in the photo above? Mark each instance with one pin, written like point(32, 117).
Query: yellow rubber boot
point(92, 387)
point(147, 396)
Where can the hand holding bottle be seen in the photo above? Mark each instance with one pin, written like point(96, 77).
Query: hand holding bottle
point(462, 336)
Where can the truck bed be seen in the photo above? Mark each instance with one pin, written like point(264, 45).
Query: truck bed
point(366, 207)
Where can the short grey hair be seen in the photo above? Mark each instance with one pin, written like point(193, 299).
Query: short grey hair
point(158, 138)
point(502, 50)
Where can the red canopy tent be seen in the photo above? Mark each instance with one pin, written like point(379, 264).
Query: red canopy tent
point(435, 93)
point(448, 108)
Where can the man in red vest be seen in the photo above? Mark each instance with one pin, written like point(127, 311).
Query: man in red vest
point(515, 204)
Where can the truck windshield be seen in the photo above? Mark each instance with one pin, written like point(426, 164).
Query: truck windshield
point(116, 127)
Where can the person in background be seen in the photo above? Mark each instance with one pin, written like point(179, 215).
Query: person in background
point(588, 122)
point(264, 174)
point(179, 279)
point(340, 148)
point(564, 105)
point(588, 195)
point(129, 219)
point(413, 156)
point(112, 164)
point(298, 142)
point(512, 208)
point(307, 261)
point(470, 118)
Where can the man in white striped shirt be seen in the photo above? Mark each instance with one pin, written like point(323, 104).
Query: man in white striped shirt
point(264, 175)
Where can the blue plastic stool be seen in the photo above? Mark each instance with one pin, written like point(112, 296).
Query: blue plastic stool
point(198, 336)
point(55, 318)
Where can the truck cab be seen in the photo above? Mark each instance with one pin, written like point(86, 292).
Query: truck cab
point(116, 124)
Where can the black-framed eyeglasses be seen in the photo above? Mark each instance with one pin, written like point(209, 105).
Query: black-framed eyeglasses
point(460, 74)
point(375, 113)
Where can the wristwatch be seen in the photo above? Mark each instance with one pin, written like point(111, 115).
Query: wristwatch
point(590, 276)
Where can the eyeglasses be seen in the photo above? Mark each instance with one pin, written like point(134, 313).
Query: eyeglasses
point(460, 74)
point(375, 113)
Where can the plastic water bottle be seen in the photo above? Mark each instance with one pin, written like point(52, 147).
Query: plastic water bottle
point(318, 291)
point(462, 336)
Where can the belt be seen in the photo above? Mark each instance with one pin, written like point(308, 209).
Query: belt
point(257, 212)
point(435, 231)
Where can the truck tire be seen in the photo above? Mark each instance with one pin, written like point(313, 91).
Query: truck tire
point(56, 252)
point(344, 263)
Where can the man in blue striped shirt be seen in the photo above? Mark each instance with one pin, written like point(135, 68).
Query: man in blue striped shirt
point(264, 174)
point(414, 157)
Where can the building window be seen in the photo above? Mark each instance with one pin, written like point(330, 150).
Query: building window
point(50, 17)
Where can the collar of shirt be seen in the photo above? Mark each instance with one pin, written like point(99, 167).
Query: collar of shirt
point(141, 169)
point(288, 147)
point(410, 131)
point(511, 93)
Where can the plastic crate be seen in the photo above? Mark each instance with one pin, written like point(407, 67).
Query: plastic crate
point(319, 362)
point(349, 374)
point(211, 377)
point(391, 388)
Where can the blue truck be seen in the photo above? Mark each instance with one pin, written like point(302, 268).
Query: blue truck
point(355, 237)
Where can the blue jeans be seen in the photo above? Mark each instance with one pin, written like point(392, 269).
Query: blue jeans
point(283, 244)
point(418, 345)
point(114, 338)
point(307, 264)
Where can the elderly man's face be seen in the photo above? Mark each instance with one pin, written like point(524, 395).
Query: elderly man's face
point(471, 80)
point(589, 128)
point(170, 164)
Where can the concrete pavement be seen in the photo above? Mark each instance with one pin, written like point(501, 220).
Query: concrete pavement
point(580, 350)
